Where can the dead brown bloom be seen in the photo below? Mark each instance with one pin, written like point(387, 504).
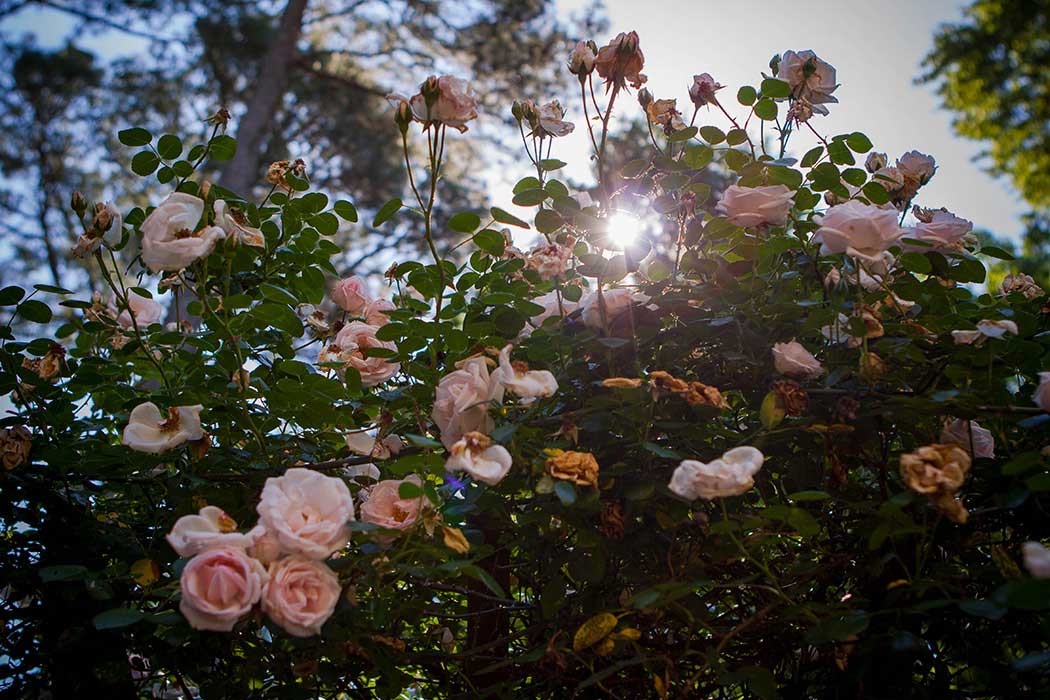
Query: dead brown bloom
point(581, 468)
point(15, 444)
point(793, 397)
point(612, 523)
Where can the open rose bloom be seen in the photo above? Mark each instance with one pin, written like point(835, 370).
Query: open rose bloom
point(300, 595)
point(307, 512)
point(171, 236)
point(219, 586)
point(730, 475)
point(350, 346)
point(463, 399)
point(149, 430)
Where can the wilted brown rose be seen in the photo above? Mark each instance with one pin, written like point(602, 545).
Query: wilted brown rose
point(621, 61)
point(663, 383)
point(792, 396)
point(622, 383)
point(846, 409)
point(935, 469)
point(872, 367)
point(612, 523)
point(279, 170)
point(950, 507)
point(580, 468)
point(15, 443)
point(700, 394)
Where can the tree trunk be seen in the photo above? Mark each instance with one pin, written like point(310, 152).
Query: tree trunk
point(242, 172)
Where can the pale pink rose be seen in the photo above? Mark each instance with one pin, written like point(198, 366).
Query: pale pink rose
point(1036, 559)
point(348, 348)
point(375, 312)
point(454, 102)
point(463, 398)
point(996, 329)
point(150, 431)
point(265, 548)
point(794, 360)
point(364, 442)
point(581, 61)
point(810, 78)
point(520, 380)
point(960, 432)
point(550, 260)
point(351, 295)
point(703, 89)
point(859, 230)
point(614, 301)
point(621, 61)
point(943, 231)
point(751, 207)
point(233, 221)
point(170, 238)
point(385, 507)
point(875, 162)
point(144, 310)
point(551, 308)
point(551, 120)
point(1042, 392)
point(219, 586)
point(307, 512)
point(211, 527)
point(917, 167)
point(730, 475)
point(300, 595)
point(477, 455)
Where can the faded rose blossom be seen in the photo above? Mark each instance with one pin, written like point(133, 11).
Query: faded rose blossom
point(943, 231)
point(550, 121)
point(795, 361)
point(219, 586)
point(348, 348)
point(315, 318)
point(462, 400)
point(300, 595)
point(936, 468)
point(917, 168)
point(211, 527)
point(171, 239)
point(871, 367)
point(351, 295)
point(550, 260)
point(700, 394)
point(664, 113)
point(703, 90)
point(961, 432)
point(1020, 282)
point(621, 61)
point(375, 312)
point(792, 396)
point(581, 468)
point(875, 162)
point(860, 230)
point(15, 444)
point(1036, 559)
point(278, 172)
point(365, 443)
point(554, 306)
point(614, 302)
point(385, 507)
point(891, 179)
point(730, 475)
point(476, 454)
point(149, 431)
point(144, 310)
point(581, 60)
point(307, 512)
point(800, 112)
point(232, 220)
point(996, 329)
point(752, 207)
point(266, 548)
point(520, 380)
point(810, 78)
point(1041, 396)
point(446, 100)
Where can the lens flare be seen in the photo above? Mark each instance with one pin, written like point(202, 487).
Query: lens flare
point(623, 229)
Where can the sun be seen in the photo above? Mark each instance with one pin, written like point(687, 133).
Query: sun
point(623, 229)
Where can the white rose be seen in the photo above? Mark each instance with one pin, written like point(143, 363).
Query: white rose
point(519, 379)
point(232, 220)
point(170, 239)
point(859, 230)
point(960, 432)
point(917, 167)
point(211, 527)
point(455, 103)
point(149, 431)
point(307, 512)
point(751, 207)
point(1036, 559)
point(348, 347)
point(944, 230)
point(795, 361)
point(810, 78)
point(462, 399)
point(476, 454)
point(730, 475)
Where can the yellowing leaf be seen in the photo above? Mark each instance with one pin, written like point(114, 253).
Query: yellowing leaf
point(772, 412)
point(454, 539)
point(605, 646)
point(593, 630)
point(628, 633)
point(146, 572)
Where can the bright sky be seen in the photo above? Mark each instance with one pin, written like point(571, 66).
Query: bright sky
point(876, 48)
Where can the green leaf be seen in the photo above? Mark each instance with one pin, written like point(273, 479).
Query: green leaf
point(548, 221)
point(529, 198)
point(346, 211)
point(839, 154)
point(62, 572)
point(134, 137)
point(223, 147)
point(876, 193)
point(683, 134)
point(766, 109)
point(858, 142)
point(812, 156)
point(698, 157)
point(746, 95)
point(326, 223)
point(11, 295)
point(116, 618)
point(464, 222)
point(505, 217)
point(492, 242)
point(712, 134)
point(144, 163)
point(551, 164)
point(169, 147)
point(409, 490)
point(996, 252)
point(916, 262)
point(387, 211)
point(52, 289)
point(35, 311)
point(776, 88)
point(565, 492)
point(735, 137)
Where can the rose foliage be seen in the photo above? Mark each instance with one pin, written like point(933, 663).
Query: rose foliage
point(774, 441)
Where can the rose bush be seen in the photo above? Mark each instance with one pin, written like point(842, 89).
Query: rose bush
point(757, 450)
